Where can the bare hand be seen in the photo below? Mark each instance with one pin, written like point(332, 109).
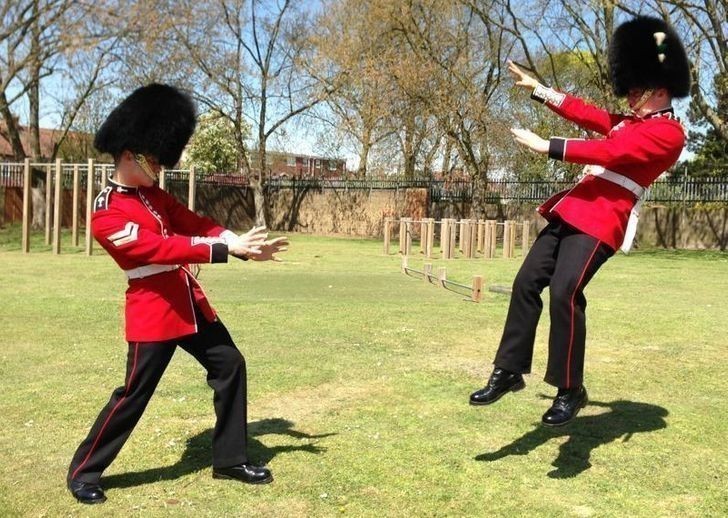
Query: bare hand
point(248, 244)
point(530, 140)
point(522, 79)
point(269, 248)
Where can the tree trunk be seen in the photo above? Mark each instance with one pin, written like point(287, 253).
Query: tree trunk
point(259, 202)
point(409, 147)
point(258, 192)
point(445, 168)
point(12, 131)
point(38, 195)
point(364, 155)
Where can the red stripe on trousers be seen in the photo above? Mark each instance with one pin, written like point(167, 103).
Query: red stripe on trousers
point(111, 414)
point(571, 336)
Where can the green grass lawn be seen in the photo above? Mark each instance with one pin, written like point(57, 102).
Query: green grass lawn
point(359, 379)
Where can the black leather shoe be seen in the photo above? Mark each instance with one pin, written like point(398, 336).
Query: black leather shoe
point(87, 493)
point(244, 473)
point(499, 383)
point(566, 405)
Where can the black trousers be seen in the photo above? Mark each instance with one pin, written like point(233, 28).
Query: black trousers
point(213, 347)
point(564, 259)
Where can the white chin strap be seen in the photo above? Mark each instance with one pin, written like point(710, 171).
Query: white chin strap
point(642, 100)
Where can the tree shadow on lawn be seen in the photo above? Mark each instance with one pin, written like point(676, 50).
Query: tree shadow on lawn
point(586, 433)
point(197, 455)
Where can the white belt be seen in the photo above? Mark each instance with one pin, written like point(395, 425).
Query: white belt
point(619, 179)
point(149, 269)
point(631, 186)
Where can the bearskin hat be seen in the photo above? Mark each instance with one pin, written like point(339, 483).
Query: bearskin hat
point(156, 120)
point(646, 53)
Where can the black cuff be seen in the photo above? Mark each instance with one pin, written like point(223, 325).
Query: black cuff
point(557, 147)
point(219, 253)
point(538, 98)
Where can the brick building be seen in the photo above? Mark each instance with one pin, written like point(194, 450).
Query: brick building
point(297, 165)
point(76, 146)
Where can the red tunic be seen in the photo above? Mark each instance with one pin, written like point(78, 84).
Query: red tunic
point(640, 149)
point(146, 226)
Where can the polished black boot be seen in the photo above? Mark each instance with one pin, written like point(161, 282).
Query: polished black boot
point(500, 382)
point(566, 405)
point(244, 473)
point(87, 493)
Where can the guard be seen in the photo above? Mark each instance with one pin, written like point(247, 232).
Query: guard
point(588, 223)
point(154, 238)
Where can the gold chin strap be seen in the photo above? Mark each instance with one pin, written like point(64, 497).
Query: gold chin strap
point(142, 161)
point(642, 100)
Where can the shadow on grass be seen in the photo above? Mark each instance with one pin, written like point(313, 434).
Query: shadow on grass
point(197, 455)
point(586, 433)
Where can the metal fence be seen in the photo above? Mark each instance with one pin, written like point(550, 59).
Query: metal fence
point(666, 190)
point(11, 174)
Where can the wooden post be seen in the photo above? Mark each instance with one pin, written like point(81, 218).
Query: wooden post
point(408, 237)
point(512, 251)
point(469, 238)
point(477, 293)
point(162, 178)
point(463, 222)
point(26, 206)
point(74, 217)
point(453, 236)
point(441, 277)
point(506, 239)
point(192, 190)
point(405, 263)
point(481, 234)
point(473, 238)
point(487, 239)
point(89, 204)
point(466, 239)
point(493, 237)
point(487, 231)
point(57, 205)
point(427, 272)
point(402, 235)
point(49, 183)
point(430, 237)
point(526, 237)
point(387, 235)
point(423, 236)
point(445, 237)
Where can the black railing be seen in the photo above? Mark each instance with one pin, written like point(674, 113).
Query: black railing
point(666, 190)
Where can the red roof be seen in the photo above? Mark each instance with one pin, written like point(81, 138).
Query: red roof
point(48, 137)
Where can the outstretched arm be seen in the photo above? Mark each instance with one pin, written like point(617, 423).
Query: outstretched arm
point(567, 106)
point(530, 140)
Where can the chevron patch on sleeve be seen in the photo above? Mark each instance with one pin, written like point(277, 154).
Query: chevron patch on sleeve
point(127, 235)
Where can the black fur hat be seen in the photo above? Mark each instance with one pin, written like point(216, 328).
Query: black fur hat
point(156, 120)
point(639, 57)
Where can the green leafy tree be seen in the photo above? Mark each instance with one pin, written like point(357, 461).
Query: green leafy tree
point(213, 146)
point(710, 146)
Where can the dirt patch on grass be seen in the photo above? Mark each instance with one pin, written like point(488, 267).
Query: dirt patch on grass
point(304, 403)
